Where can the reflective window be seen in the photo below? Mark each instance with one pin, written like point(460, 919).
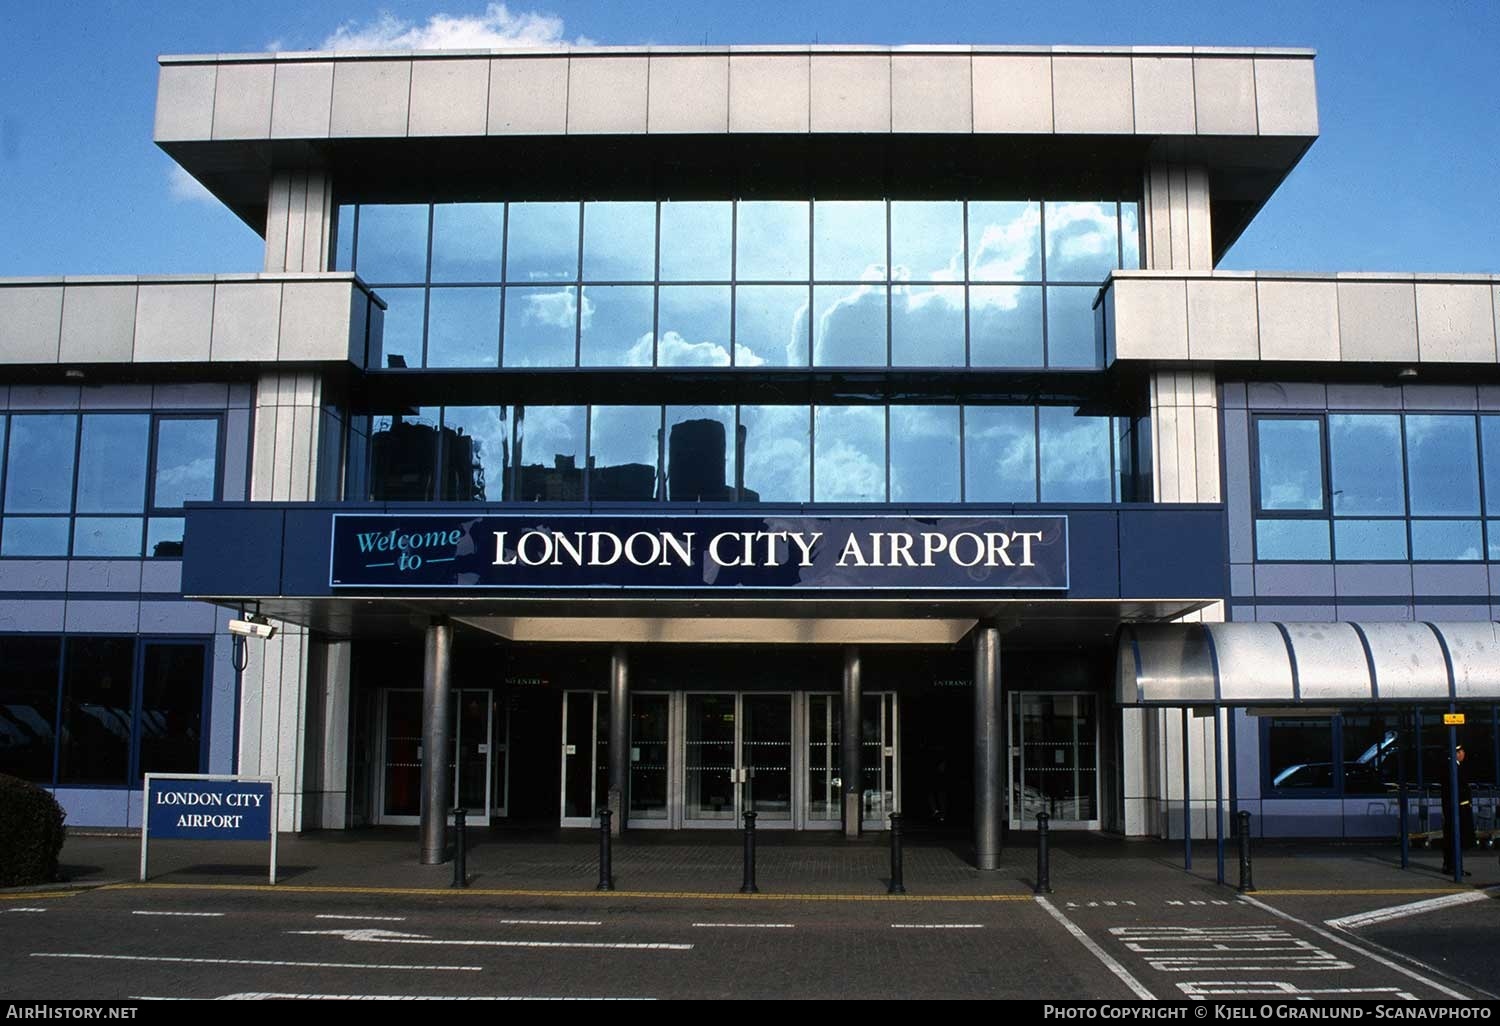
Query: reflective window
point(849, 325)
point(619, 241)
point(164, 537)
point(1299, 754)
point(924, 454)
point(187, 453)
point(1442, 465)
point(463, 328)
point(927, 241)
point(771, 241)
point(1369, 539)
point(1000, 454)
point(28, 706)
point(616, 325)
point(701, 454)
point(693, 326)
point(550, 448)
point(97, 710)
point(623, 453)
point(401, 338)
point(1364, 455)
point(1082, 241)
point(392, 244)
point(695, 241)
point(467, 241)
point(1130, 236)
point(1490, 429)
point(927, 325)
point(771, 325)
point(776, 461)
point(1446, 540)
point(542, 242)
point(849, 454)
point(1071, 340)
point(107, 536)
point(39, 467)
point(541, 326)
point(112, 456)
point(1291, 539)
point(1075, 456)
point(849, 240)
point(1291, 463)
point(35, 536)
point(475, 453)
point(404, 457)
point(343, 246)
point(171, 717)
point(1005, 241)
point(1005, 325)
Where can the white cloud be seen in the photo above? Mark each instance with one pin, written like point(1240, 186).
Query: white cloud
point(184, 188)
point(495, 28)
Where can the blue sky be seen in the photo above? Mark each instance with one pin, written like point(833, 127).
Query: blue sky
point(1406, 175)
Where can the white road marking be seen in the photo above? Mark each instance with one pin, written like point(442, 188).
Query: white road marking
point(1180, 949)
point(752, 926)
point(266, 996)
point(366, 919)
point(191, 915)
point(1385, 915)
point(937, 926)
point(253, 961)
point(551, 922)
point(25, 910)
point(1275, 988)
point(1103, 956)
point(1363, 950)
point(391, 937)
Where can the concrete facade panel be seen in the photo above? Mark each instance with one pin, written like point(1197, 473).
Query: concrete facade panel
point(1225, 92)
point(1152, 322)
point(98, 324)
point(190, 396)
point(242, 101)
point(1012, 93)
point(30, 323)
point(1294, 613)
point(1221, 320)
point(1363, 397)
point(1286, 395)
point(1360, 580)
point(1452, 612)
point(104, 575)
point(1163, 89)
point(1455, 323)
point(1299, 320)
point(931, 93)
point(247, 319)
point(1092, 95)
point(1449, 579)
point(769, 93)
point(161, 575)
point(314, 321)
point(33, 575)
point(1242, 579)
point(528, 95)
point(1299, 580)
point(1374, 612)
point(1377, 320)
point(32, 614)
point(116, 397)
point(173, 323)
point(102, 616)
point(370, 99)
point(184, 102)
point(96, 806)
point(1439, 397)
point(449, 97)
point(302, 107)
point(607, 95)
point(177, 618)
point(850, 93)
point(1286, 96)
point(688, 94)
point(45, 397)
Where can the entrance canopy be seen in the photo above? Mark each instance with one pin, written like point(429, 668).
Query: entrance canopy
point(1314, 664)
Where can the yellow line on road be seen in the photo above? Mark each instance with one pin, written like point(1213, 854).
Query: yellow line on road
point(520, 893)
point(1362, 890)
point(29, 895)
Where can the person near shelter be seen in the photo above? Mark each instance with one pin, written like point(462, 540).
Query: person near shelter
point(1465, 810)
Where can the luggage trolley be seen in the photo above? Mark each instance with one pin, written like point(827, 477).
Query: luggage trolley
point(1426, 805)
point(1485, 797)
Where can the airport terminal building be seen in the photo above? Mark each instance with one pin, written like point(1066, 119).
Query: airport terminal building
point(824, 432)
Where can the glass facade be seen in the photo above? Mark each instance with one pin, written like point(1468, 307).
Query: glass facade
point(748, 283)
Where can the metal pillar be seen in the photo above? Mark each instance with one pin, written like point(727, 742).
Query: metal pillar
point(1234, 772)
point(437, 737)
point(987, 747)
point(1454, 827)
point(851, 740)
point(1219, 795)
point(1187, 798)
point(1404, 737)
point(619, 736)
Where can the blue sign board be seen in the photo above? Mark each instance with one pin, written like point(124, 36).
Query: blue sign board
point(208, 810)
point(705, 553)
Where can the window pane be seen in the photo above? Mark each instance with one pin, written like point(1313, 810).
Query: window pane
point(1442, 465)
point(164, 537)
point(1291, 463)
point(1130, 236)
point(401, 339)
point(28, 707)
point(542, 242)
point(849, 454)
point(96, 710)
point(172, 709)
point(1005, 241)
point(35, 536)
point(476, 452)
point(1075, 456)
point(617, 325)
point(463, 328)
point(1446, 540)
point(619, 241)
point(1291, 539)
point(549, 452)
point(1300, 754)
point(112, 463)
point(927, 241)
point(1491, 429)
point(403, 457)
point(343, 247)
point(1082, 241)
point(1071, 340)
point(107, 536)
point(392, 247)
point(771, 325)
point(1365, 455)
point(776, 453)
point(700, 453)
point(695, 241)
point(187, 461)
point(927, 325)
point(39, 472)
point(540, 327)
point(1372, 757)
point(849, 240)
point(772, 241)
point(1000, 454)
point(1005, 325)
point(467, 241)
point(1369, 539)
point(849, 323)
point(693, 326)
point(924, 454)
point(622, 453)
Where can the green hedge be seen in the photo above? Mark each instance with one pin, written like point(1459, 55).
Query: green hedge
point(31, 825)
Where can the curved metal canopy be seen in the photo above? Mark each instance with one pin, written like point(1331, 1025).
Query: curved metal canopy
point(1277, 664)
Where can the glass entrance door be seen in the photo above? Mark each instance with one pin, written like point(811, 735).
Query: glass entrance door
point(1054, 759)
point(469, 755)
point(822, 803)
point(738, 757)
point(710, 792)
point(585, 756)
point(650, 760)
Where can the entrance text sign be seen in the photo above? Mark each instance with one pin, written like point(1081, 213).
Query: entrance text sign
point(209, 807)
point(704, 553)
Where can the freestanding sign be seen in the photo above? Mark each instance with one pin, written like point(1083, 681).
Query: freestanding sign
point(209, 807)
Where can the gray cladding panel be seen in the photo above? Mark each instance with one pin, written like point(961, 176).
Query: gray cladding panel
point(30, 323)
point(931, 93)
point(528, 95)
point(1445, 579)
point(1286, 96)
point(1012, 93)
point(1286, 395)
point(1093, 95)
point(242, 101)
point(1225, 92)
point(302, 107)
point(769, 93)
point(688, 94)
point(101, 616)
point(173, 323)
point(449, 97)
point(607, 95)
point(1164, 95)
point(1294, 580)
point(98, 323)
point(1455, 322)
point(104, 575)
point(370, 98)
point(1383, 580)
point(851, 93)
point(247, 319)
point(1377, 320)
point(161, 575)
point(184, 102)
point(1298, 320)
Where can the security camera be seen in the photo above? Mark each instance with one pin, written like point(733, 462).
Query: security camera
point(251, 629)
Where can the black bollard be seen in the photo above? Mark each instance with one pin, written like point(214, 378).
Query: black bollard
point(460, 848)
point(606, 867)
point(897, 886)
point(748, 887)
point(1043, 856)
point(1246, 883)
